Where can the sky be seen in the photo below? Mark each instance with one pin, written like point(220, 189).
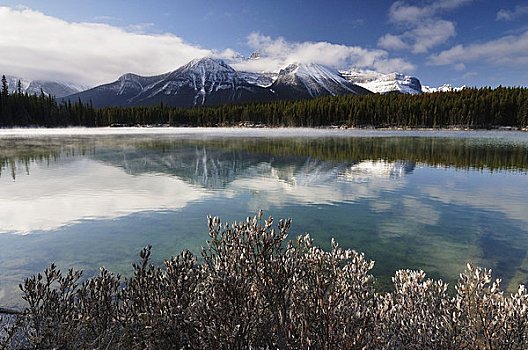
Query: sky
point(461, 42)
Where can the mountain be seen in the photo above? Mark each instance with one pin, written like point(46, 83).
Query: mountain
point(206, 165)
point(312, 80)
point(443, 88)
point(259, 79)
point(384, 83)
point(203, 81)
point(208, 81)
point(34, 87)
point(118, 93)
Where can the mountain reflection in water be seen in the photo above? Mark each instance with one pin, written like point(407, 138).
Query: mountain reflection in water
point(431, 203)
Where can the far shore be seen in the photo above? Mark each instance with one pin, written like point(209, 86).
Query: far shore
point(241, 129)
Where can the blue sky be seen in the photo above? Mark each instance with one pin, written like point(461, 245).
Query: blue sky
point(462, 42)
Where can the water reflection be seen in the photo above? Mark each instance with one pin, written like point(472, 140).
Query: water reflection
point(408, 202)
point(68, 191)
point(314, 183)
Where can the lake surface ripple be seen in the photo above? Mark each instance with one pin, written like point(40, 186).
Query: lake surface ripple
point(430, 200)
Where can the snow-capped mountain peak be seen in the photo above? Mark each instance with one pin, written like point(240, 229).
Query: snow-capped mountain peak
point(199, 82)
point(259, 79)
point(204, 76)
point(35, 87)
point(206, 64)
point(443, 88)
point(208, 81)
point(129, 77)
point(316, 79)
point(254, 55)
point(384, 83)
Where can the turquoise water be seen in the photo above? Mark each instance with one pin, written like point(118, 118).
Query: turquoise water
point(420, 200)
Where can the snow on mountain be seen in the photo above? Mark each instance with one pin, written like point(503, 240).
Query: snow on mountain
point(443, 88)
point(204, 78)
point(379, 168)
point(34, 87)
point(314, 80)
point(383, 83)
point(202, 81)
point(254, 55)
point(259, 79)
point(209, 81)
point(204, 75)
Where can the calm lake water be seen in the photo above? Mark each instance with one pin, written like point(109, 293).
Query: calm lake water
point(408, 199)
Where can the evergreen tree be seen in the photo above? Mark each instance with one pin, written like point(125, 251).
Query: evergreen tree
point(473, 108)
point(5, 90)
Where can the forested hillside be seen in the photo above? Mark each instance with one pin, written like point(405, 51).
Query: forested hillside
point(470, 108)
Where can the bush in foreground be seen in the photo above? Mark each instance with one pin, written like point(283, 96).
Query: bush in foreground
point(252, 290)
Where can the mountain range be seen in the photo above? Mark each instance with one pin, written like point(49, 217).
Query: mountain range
point(35, 87)
point(443, 88)
point(384, 83)
point(209, 81)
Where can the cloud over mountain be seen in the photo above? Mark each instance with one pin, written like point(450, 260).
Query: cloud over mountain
point(38, 46)
point(277, 53)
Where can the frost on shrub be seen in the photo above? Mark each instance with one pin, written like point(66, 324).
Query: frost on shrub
point(263, 292)
point(252, 289)
point(488, 319)
point(417, 314)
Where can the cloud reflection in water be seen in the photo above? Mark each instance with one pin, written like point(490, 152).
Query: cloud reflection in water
point(68, 191)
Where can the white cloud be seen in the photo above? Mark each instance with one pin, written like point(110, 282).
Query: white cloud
point(140, 28)
point(421, 27)
point(430, 34)
point(277, 53)
point(400, 11)
point(392, 42)
point(510, 50)
point(37, 46)
point(509, 15)
point(470, 74)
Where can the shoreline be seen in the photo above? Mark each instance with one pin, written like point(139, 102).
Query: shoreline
point(261, 127)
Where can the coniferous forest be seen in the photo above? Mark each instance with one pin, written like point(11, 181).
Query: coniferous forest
point(468, 108)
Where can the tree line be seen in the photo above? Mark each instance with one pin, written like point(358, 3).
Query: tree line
point(468, 108)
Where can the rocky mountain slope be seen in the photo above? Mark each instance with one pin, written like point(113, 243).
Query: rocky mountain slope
point(34, 87)
point(443, 88)
point(384, 83)
point(208, 81)
point(312, 80)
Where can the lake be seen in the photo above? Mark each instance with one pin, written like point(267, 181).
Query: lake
point(431, 200)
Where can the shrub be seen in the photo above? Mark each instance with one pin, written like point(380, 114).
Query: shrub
point(254, 290)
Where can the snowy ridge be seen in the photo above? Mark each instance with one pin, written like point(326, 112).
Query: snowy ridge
point(34, 87)
point(383, 83)
point(443, 88)
point(199, 82)
point(259, 79)
point(204, 76)
point(315, 78)
point(134, 84)
point(209, 81)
